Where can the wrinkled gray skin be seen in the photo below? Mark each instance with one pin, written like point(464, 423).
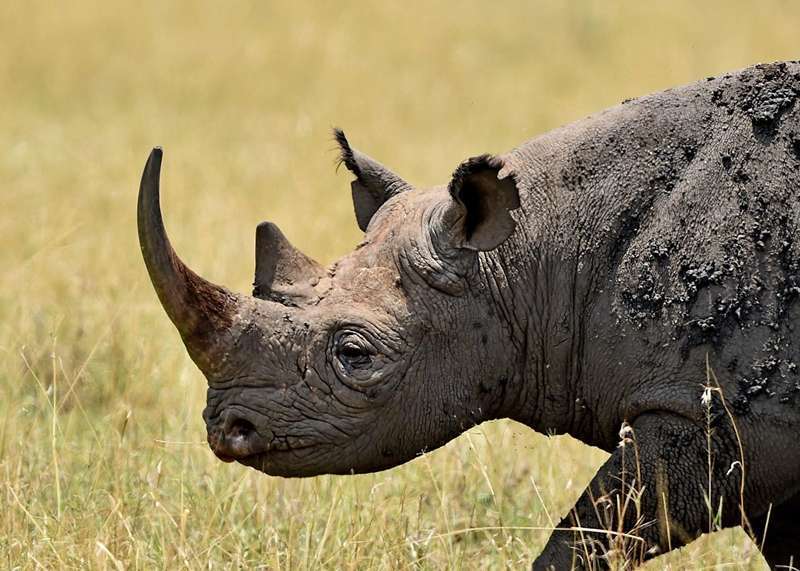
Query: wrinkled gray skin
point(577, 282)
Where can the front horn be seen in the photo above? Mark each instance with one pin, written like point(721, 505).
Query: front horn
point(201, 311)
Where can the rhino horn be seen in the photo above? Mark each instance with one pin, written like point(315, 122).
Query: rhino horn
point(283, 273)
point(201, 311)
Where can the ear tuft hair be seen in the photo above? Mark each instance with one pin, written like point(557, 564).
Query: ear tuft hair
point(374, 184)
point(345, 152)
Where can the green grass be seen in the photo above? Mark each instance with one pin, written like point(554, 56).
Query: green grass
point(102, 456)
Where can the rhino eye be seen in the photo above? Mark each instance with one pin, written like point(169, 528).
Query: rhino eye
point(354, 352)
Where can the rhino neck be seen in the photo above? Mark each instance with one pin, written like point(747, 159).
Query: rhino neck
point(526, 288)
point(546, 283)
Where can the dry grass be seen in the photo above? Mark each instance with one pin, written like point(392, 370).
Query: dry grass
point(102, 461)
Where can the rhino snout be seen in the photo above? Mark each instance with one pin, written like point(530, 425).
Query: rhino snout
point(232, 437)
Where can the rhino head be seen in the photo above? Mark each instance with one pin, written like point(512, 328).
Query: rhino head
point(392, 351)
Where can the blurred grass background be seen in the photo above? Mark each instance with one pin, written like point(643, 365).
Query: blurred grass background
point(102, 456)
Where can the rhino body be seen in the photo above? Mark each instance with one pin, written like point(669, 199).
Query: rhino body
point(631, 279)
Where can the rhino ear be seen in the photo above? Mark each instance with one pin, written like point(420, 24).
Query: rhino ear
point(484, 194)
point(374, 184)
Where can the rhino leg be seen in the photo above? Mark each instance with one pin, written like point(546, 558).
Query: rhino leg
point(653, 487)
point(779, 535)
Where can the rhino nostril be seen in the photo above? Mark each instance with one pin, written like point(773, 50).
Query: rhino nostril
point(239, 428)
point(235, 438)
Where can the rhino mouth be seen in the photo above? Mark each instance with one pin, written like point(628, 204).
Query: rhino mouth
point(282, 461)
point(224, 457)
point(259, 453)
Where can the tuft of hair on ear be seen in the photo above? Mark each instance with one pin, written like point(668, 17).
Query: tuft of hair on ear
point(486, 199)
point(374, 184)
point(346, 155)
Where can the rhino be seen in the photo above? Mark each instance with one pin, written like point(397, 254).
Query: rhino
point(631, 279)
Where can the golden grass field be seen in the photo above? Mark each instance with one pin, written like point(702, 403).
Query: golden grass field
point(103, 461)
